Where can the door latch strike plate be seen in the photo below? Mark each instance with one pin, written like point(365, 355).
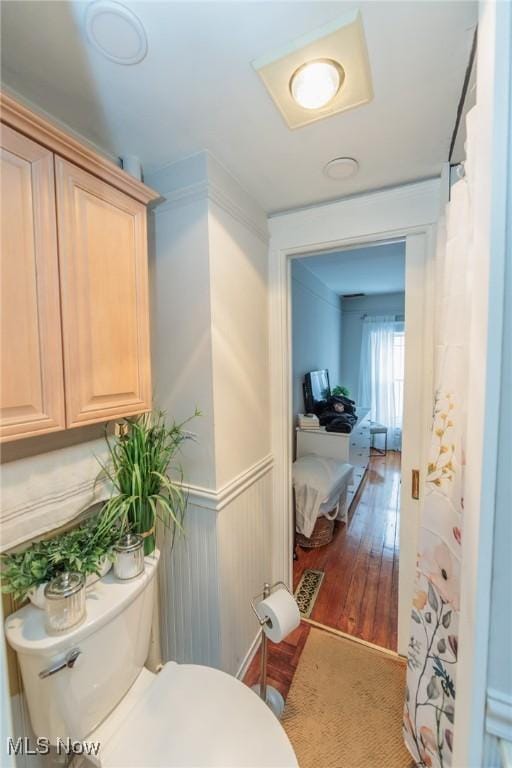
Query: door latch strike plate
point(415, 492)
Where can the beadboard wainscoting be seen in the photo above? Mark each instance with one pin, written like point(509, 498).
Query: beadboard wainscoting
point(189, 618)
point(217, 566)
point(244, 558)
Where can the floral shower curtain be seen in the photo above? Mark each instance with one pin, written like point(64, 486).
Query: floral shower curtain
point(429, 710)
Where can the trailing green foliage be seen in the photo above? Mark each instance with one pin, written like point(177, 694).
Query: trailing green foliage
point(139, 467)
point(81, 549)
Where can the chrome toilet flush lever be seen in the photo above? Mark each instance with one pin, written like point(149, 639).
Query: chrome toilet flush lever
point(68, 662)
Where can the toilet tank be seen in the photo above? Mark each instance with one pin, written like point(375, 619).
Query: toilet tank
point(113, 641)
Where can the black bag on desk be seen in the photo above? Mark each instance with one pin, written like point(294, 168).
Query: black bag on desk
point(348, 405)
point(343, 422)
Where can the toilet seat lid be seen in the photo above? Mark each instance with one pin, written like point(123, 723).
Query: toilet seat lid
point(198, 716)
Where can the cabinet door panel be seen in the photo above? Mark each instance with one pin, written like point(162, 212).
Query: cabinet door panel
point(104, 286)
point(32, 387)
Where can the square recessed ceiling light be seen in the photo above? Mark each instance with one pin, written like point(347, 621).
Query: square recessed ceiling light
point(321, 73)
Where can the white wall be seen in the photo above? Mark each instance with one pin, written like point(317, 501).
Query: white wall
point(353, 310)
point(210, 303)
point(181, 336)
point(316, 330)
point(238, 252)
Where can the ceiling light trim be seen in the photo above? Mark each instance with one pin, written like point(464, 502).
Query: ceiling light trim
point(343, 44)
point(304, 40)
point(341, 168)
point(93, 13)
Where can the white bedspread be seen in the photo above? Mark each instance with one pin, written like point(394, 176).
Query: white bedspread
point(315, 480)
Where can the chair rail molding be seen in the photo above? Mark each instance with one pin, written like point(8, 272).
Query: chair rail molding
point(217, 499)
point(498, 718)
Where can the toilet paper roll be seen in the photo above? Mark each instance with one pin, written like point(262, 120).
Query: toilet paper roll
point(282, 611)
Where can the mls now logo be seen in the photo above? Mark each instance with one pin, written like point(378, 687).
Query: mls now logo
point(42, 746)
point(75, 747)
point(24, 746)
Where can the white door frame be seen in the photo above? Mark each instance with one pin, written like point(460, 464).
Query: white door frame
point(348, 223)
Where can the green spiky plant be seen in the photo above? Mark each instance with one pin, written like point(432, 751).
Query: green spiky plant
point(339, 390)
point(140, 461)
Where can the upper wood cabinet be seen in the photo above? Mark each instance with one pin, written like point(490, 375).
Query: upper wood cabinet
point(32, 391)
point(104, 290)
point(74, 281)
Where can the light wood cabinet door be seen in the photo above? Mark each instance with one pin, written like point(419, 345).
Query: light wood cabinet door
point(104, 295)
point(32, 386)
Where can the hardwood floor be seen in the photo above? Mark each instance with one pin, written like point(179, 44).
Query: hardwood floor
point(282, 660)
point(359, 593)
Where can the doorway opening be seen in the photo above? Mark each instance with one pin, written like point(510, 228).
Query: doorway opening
point(348, 344)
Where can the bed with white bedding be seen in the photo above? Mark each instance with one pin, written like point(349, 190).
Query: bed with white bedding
point(320, 485)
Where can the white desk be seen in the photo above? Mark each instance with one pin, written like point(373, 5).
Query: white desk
point(353, 448)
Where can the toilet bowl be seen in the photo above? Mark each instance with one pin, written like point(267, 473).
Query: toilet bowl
point(95, 689)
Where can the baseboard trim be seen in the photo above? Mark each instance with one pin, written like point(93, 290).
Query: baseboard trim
point(249, 656)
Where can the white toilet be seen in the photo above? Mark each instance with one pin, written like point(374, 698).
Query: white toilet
point(186, 715)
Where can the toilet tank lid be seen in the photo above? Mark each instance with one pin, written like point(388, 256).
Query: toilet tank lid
point(105, 599)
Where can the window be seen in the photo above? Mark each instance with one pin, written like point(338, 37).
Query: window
point(398, 374)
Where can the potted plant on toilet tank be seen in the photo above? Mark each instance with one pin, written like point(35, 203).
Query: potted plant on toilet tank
point(141, 467)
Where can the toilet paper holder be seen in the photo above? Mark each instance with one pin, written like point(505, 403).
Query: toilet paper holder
point(267, 591)
point(268, 693)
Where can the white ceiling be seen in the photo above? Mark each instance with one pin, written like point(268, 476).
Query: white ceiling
point(370, 269)
point(196, 89)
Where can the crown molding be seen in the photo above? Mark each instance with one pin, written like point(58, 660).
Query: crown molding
point(186, 195)
point(50, 135)
point(209, 180)
point(218, 196)
point(216, 499)
point(394, 209)
point(208, 190)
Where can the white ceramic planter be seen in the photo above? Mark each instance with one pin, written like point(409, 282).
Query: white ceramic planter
point(36, 595)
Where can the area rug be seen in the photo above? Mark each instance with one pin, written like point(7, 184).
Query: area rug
point(307, 591)
point(344, 707)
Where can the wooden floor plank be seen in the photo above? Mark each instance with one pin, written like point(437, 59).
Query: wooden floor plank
point(359, 593)
point(283, 659)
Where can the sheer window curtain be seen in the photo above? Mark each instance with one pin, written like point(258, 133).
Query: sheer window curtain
point(381, 374)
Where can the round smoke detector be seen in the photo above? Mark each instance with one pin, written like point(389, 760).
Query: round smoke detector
point(341, 168)
point(116, 32)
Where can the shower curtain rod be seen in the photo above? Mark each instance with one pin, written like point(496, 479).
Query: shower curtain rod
point(465, 86)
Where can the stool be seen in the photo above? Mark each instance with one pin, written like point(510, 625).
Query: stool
point(378, 429)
